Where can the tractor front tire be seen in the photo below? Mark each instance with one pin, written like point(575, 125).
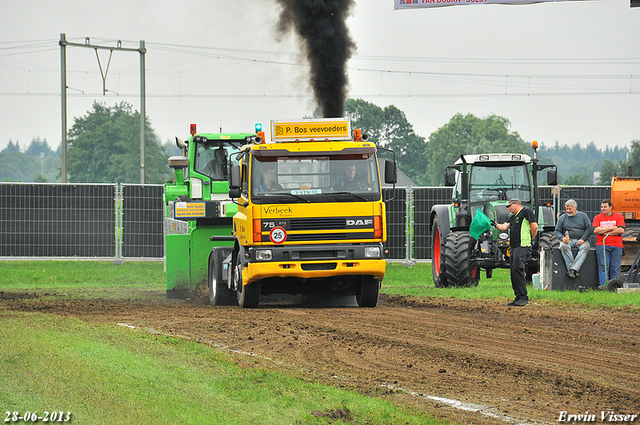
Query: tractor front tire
point(457, 254)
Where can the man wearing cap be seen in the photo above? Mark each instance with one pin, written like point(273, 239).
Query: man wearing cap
point(523, 227)
point(573, 230)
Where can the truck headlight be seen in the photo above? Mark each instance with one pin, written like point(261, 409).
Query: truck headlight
point(372, 252)
point(263, 254)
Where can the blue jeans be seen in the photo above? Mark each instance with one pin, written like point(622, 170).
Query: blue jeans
point(614, 258)
point(567, 254)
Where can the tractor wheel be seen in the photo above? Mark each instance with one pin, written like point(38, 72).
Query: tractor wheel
point(248, 295)
point(219, 292)
point(367, 291)
point(549, 240)
point(614, 284)
point(457, 252)
point(437, 259)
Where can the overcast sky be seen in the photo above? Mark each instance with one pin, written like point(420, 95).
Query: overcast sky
point(564, 71)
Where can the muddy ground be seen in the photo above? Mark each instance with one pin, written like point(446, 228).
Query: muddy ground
point(468, 361)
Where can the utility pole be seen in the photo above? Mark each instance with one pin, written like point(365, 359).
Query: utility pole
point(63, 70)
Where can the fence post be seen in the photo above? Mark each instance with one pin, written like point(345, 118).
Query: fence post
point(118, 201)
point(409, 228)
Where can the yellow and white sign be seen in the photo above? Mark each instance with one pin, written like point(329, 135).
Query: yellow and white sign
point(190, 210)
point(305, 130)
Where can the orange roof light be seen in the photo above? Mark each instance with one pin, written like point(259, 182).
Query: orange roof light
point(534, 144)
point(192, 130)
point(357, 135)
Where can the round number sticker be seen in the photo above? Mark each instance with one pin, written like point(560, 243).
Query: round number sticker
point(278, 235)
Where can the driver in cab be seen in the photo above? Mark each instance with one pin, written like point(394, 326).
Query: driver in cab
point(349, 181)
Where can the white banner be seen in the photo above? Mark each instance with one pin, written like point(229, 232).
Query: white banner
point(414, 4)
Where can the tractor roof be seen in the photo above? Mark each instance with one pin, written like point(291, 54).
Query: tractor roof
point(496, 157)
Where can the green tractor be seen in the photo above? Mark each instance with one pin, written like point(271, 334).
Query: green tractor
point(198, 207)
point(486, 182)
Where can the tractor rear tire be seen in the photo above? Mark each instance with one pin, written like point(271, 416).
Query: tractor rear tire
point(457, 253)
point(549, 240)
point(437, 259)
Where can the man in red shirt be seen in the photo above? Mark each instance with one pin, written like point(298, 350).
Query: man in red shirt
point(608, 228)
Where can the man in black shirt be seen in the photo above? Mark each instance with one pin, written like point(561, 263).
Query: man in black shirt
point(523, 227)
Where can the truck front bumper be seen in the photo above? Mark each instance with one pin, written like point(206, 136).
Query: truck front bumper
point(314, 261)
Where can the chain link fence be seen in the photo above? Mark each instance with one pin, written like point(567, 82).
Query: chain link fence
point(125, 221)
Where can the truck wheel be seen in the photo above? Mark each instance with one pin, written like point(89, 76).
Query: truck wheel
point(248, 295)
point(437, 259)
point(219, 292)
point(367, 291)
point(457, 253)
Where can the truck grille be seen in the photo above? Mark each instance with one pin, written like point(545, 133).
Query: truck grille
point(317, 223)
point(321, 228)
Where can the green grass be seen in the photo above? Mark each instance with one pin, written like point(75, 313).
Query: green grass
point(418, 281)
point(86, 279)
point(110, 374)
point(106, 374)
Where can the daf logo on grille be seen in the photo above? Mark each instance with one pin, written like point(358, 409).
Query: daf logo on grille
point(356, 223)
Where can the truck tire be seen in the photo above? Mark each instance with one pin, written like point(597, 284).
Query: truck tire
point(367, 291)
point(248, 295)
point(219, 292)
point(437, 259)
point(458, 270)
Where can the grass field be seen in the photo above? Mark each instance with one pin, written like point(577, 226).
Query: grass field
point(109, 374)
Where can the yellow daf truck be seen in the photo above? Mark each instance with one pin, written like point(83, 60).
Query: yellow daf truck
point(311, 216)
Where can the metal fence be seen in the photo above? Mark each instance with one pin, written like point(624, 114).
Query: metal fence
point(125, 221)
point(81, 221)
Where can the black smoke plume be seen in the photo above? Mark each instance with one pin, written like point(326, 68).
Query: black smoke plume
point(321, 26)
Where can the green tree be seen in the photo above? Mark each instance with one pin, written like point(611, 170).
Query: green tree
point(16, 166)
point(468, 134)
point(105, 147)
point(634, 157)
point(583, 178)
point(37, 147)
point(609, 169)
point(390, 129)
point(11, 147)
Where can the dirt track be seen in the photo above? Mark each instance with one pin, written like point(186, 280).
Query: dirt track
point(508, 363)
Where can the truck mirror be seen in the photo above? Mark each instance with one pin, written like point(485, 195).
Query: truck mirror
point(390, 172)
point(234, 193)
point(552, 177)
point(235, 178)
point(449, 177)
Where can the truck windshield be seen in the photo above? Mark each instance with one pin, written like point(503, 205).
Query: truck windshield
point(315, 178)
point(488, 183)
point(211, 158)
